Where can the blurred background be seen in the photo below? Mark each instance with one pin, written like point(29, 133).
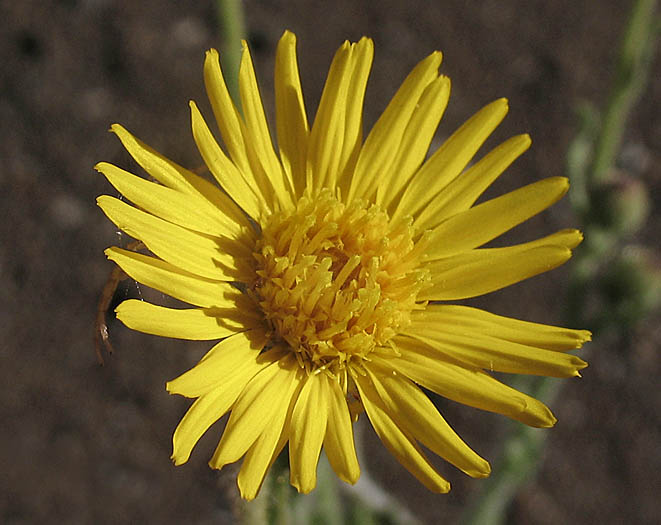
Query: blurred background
point(88, 444)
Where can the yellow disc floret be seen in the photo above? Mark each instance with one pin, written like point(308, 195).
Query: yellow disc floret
point(336, 280)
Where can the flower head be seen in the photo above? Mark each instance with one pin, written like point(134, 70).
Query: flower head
point(325, 269)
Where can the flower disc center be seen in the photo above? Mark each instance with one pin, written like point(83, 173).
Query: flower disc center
point(336, 280)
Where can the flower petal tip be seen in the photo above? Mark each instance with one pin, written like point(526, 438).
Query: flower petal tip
point(177, 461)
point(287, 34)
point(579, 238)
point(580, 365)
point(117, 129)
point(481, 474)
point(434, 59)
point(303, 488)
point(351, 481)
point(480, 469)
point(104, 168)
point(499, 107)
point(559, 185)
point(247, 495)
point(367, 41)
point(444, 487)
point(552, 423)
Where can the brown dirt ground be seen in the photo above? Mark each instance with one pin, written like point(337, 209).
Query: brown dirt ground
point(84, 444)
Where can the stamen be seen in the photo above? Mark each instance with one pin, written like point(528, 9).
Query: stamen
point(336, 281)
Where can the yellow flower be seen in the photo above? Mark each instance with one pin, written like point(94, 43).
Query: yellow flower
point(325, 268)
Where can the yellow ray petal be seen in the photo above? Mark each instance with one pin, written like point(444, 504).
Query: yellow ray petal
point(291, 119)
point(468, 386)
point(308, 427)
point(273, 182)
point(156, 165)
point(462, 192)
point(496, 355)
point(384, 140)
point(238, 183)
point(466, 320)
point(362, 56)
point(203, 413)
point(169, 279)
point(227, 116)
point(208, 409)
point(450, 159)
point(416, 140)
point(174, 176)
point(338, 442)
point(396, 440)
point(337, 129)
point(214, 258)
point(266, 396)
point(568, 237)
point(194, 323)
point(327, 129)
point(484, 222)
point(417, 415)
point(482, 271)
point(261, 456)
point(187, 210)
point(238, 355)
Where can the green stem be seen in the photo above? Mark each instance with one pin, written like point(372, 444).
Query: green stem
point(232, 30)
point(579, 156)
point(633, 64)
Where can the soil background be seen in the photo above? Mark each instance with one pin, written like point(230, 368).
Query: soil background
point(85, 444)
